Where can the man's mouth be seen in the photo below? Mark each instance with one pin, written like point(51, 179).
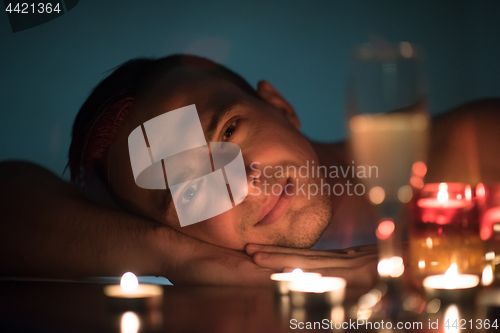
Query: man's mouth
point(277, 204)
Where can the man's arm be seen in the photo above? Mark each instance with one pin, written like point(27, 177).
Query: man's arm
point(47, 229)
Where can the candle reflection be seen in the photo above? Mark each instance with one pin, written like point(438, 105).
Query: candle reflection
point(130, 322)
point(299, 314)
point(284, 307)
point(337, 314)
point(451, 319)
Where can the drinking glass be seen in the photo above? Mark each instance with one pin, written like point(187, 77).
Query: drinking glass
point(388, 127)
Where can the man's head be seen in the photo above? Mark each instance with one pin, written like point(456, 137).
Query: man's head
point(261, 122)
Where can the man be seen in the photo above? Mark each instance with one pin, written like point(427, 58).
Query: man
point(50, 229)
point(261, 123)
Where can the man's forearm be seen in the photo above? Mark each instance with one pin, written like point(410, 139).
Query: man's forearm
point(48, 229)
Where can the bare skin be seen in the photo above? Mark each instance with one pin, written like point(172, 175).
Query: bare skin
point(50, 230)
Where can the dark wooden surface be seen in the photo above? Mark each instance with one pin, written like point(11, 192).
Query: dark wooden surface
point(82, 307)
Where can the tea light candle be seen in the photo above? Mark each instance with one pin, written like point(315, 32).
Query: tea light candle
point(282, 280)
point(451, 285)
point(131, 294)
point(443, 199)
point(318, 292)
point(441, 208)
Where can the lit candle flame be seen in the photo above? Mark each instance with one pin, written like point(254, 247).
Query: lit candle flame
point(129, 283)
point(297, 271)
point(443, 193)
point(451, 276)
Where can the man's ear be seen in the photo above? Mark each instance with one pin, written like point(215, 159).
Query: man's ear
point(272, 96)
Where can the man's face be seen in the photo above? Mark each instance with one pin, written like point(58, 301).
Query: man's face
point(273, 151)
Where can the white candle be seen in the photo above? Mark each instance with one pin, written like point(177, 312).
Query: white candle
point(132, 295)
point(282, 280)
point(130, 288)
point(318, 292)
point(451, 287)
point(451, 280)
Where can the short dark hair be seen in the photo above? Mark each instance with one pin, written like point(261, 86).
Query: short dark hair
point(102, 114)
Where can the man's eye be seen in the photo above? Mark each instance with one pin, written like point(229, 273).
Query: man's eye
point(229, 131)
point(189, 194)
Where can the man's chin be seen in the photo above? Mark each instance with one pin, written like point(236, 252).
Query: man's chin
point(302, 242)
point(303, 228)
point(307, 225)
point(303, 235)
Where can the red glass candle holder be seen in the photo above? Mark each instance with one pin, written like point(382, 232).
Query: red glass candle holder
point(445, 230)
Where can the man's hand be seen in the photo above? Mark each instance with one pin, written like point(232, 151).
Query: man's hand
point(191, 261)
point(358, 265)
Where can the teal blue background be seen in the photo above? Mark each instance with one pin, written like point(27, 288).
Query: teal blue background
point(301, 47)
